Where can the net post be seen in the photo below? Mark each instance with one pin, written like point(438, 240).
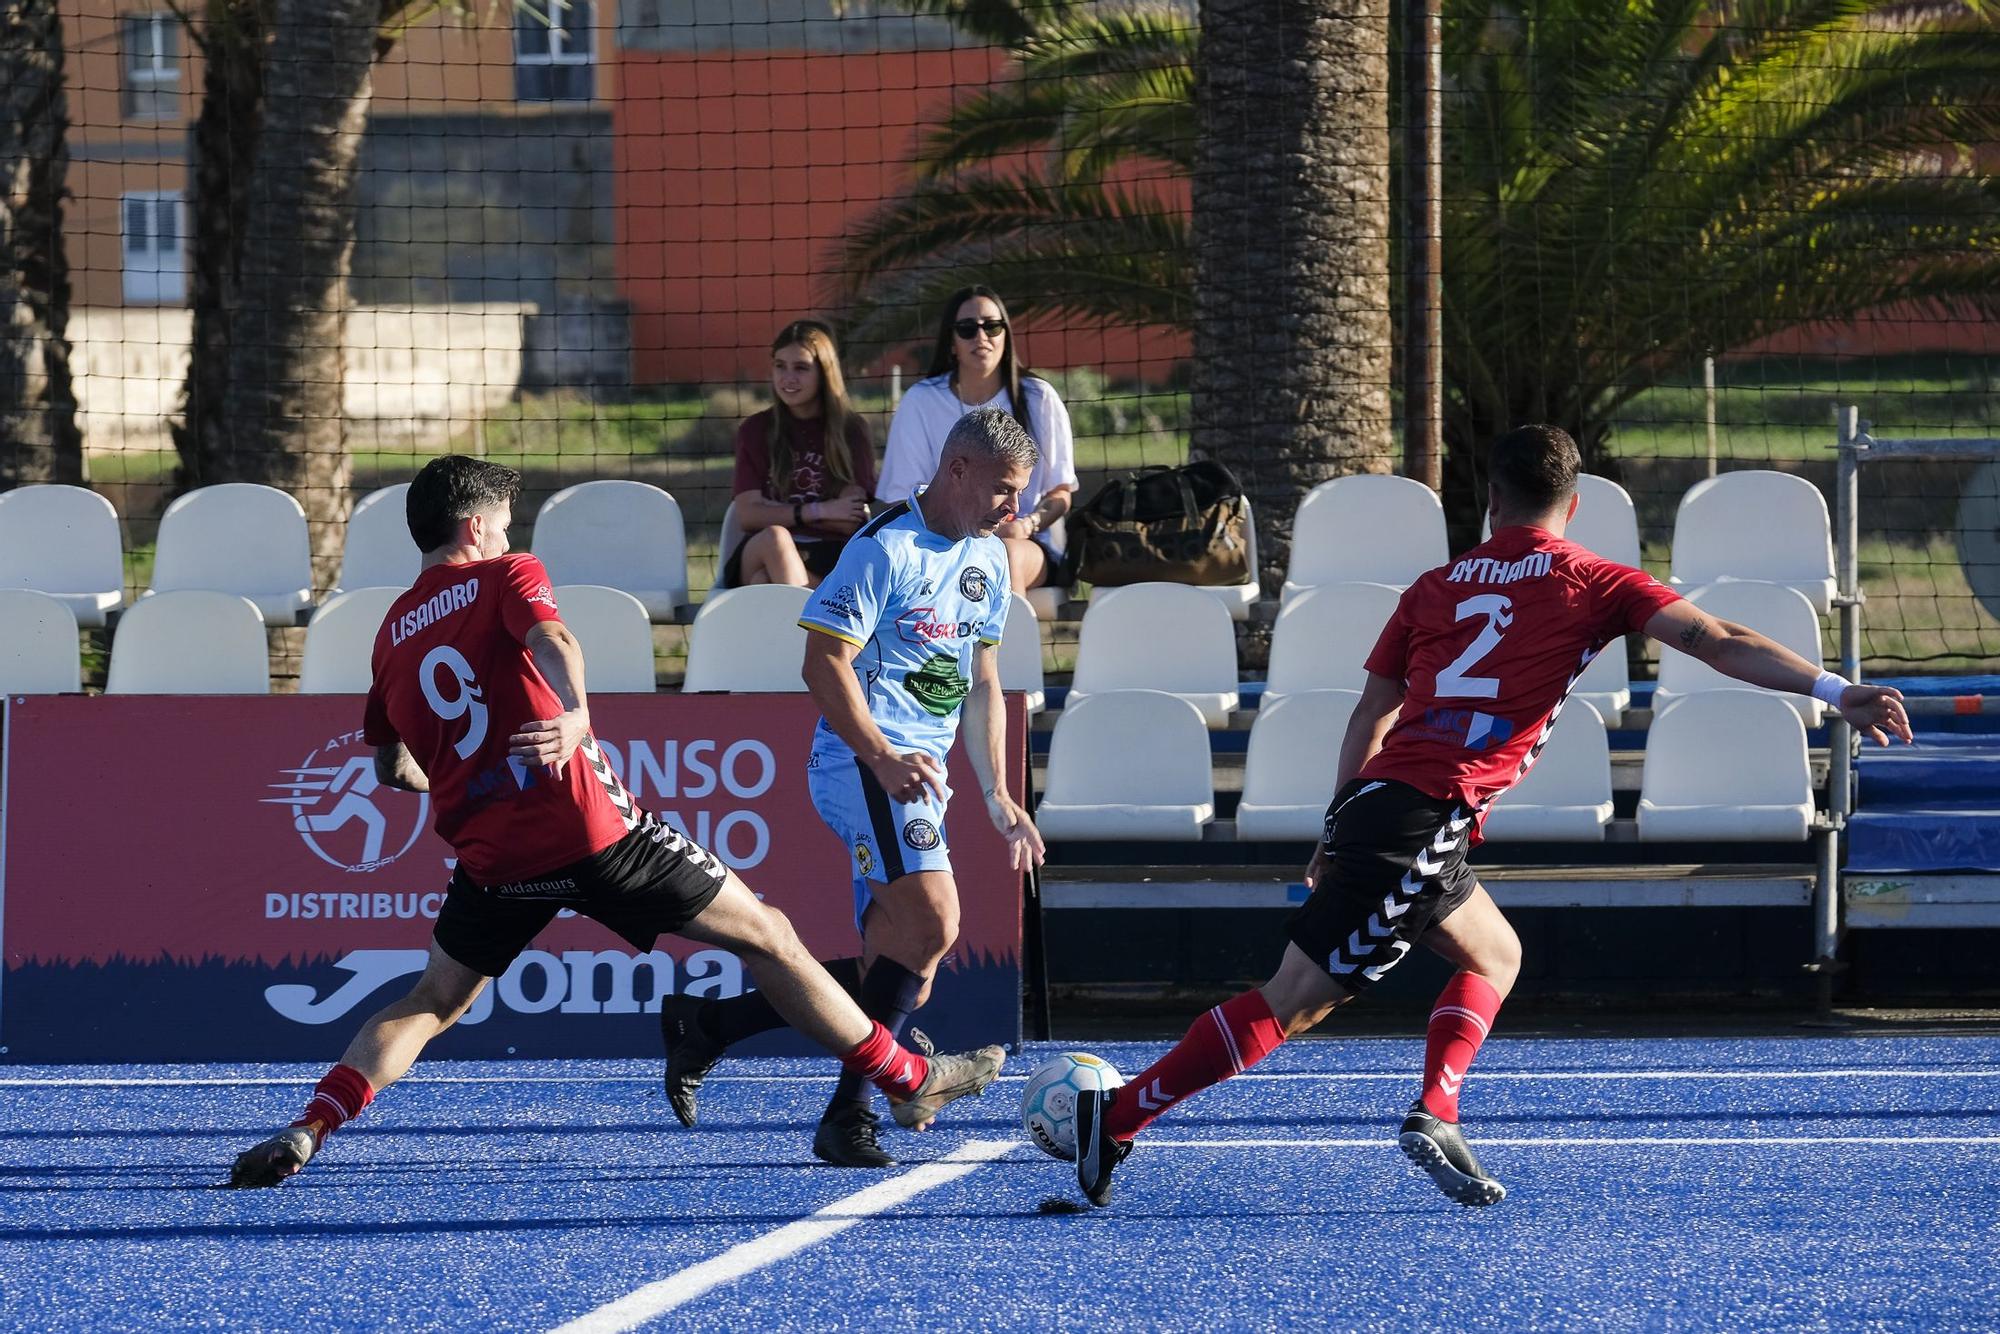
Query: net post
point(1840, 737)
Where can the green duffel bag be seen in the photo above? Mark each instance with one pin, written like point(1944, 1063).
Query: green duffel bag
point(1187, 525)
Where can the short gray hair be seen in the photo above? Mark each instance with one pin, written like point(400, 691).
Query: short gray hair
point(990, 433)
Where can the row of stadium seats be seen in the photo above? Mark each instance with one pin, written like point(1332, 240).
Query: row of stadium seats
point(1727, 765)
point(747, 639)
point(199, 642)
point(251, 540)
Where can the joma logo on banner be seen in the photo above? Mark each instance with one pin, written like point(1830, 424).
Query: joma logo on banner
point(573, 982)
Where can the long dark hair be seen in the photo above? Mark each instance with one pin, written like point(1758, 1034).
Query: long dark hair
point(834, 411)
point(1012, 372)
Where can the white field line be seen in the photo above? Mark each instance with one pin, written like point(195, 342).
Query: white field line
point(1589, 1141)
point(1331, 1077)
point(656, 1299)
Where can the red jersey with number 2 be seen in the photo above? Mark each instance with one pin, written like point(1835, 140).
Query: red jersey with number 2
point(1487, 646)
point(453, 681)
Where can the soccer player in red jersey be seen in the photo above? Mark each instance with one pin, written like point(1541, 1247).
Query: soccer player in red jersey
point(478, 698)
point(1463, 687)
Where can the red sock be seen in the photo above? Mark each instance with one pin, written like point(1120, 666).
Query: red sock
point(1461, 1021)
point(887, 1064)
point(1226, 1041)
point(339, 1098)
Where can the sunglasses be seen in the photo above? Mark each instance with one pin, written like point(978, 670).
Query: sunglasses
point(970, 329)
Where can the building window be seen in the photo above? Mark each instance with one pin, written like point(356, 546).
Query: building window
point(155, 268)
point(152, 84)
point(553, 57)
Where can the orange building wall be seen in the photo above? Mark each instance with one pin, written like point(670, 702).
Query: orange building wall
point(736, 175)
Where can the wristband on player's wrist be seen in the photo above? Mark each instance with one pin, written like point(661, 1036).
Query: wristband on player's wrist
point(1827, 689)
point(798, 513)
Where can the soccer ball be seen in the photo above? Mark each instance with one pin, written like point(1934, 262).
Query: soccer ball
point(1048, 1104)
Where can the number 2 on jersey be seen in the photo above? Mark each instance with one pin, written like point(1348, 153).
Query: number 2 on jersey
point(466, 703)
point(1452, 682)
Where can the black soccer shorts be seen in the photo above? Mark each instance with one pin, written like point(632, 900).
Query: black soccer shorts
point(649, 883)
point(1396, 864)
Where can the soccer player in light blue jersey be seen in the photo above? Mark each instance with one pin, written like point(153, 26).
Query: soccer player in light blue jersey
point(904, 638)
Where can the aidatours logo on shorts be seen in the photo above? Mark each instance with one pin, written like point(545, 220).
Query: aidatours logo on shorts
point(343, 813)
point(921, 835)
point(972, 583)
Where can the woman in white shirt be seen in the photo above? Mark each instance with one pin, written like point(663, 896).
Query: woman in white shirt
point(975, 365)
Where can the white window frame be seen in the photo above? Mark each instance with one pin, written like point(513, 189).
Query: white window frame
point(560, 36)
point(149, 276)
point(161, 71)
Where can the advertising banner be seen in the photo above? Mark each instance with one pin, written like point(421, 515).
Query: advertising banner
point(222, 879)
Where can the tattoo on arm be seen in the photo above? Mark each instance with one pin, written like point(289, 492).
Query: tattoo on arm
point(1693, 636)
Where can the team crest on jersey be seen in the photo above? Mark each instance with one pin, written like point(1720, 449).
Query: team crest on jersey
point(343, 813)
point(921, 835)
point(972, 583)
point(864, 858)
point(544, 595)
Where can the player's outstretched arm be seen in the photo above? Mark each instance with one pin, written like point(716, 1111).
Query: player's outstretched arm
point(986, 746)
point(1740, 652)
point(396, 767)
point(559, 658)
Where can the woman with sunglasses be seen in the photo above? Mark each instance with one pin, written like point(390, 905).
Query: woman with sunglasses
point(974, 365)
point(804, 467)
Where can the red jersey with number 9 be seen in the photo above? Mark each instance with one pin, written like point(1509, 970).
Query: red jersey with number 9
point(1487, 647)
point(453, 681)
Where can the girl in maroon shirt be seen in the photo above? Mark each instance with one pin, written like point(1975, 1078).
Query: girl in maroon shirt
point(805, 467)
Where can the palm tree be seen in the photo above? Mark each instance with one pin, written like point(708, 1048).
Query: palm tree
point(1629, 184)
point(39, 439)
point(276, 145)
point(1291, 272)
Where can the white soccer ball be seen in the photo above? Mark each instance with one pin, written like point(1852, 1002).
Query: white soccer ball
point(1048, 1104)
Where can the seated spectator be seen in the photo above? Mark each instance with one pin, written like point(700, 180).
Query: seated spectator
point(976, 365)
point(805, 467)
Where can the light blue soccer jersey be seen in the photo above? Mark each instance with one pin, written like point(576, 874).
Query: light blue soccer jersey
point(917, 605)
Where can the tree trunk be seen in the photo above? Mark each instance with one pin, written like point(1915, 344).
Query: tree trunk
point(39, 439)
point(1291, 227)
point(226, 134)
point(277, 417)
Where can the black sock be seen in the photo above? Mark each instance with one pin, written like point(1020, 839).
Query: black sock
point(734, 1018)
point(889, 994)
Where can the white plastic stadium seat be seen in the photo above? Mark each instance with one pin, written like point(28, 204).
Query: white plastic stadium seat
point(241, 538)
point(190, 642)
point(378, 551)
point(1773, 610)
point(1760, 525)
point(1366, 529)
point(731, 534)
point(1606, 521)
point(1726, 765)
point(340, 641)
point(1021, 654)
point(38, 649)
point(63, 541)
point(1167, 637)
point(1607, 683)
point(1288, 774)
point(1323, 636)
point(1566, 797)
point(619, 534)
point(748, 640)
point(616, 634)
point(1129, 764)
